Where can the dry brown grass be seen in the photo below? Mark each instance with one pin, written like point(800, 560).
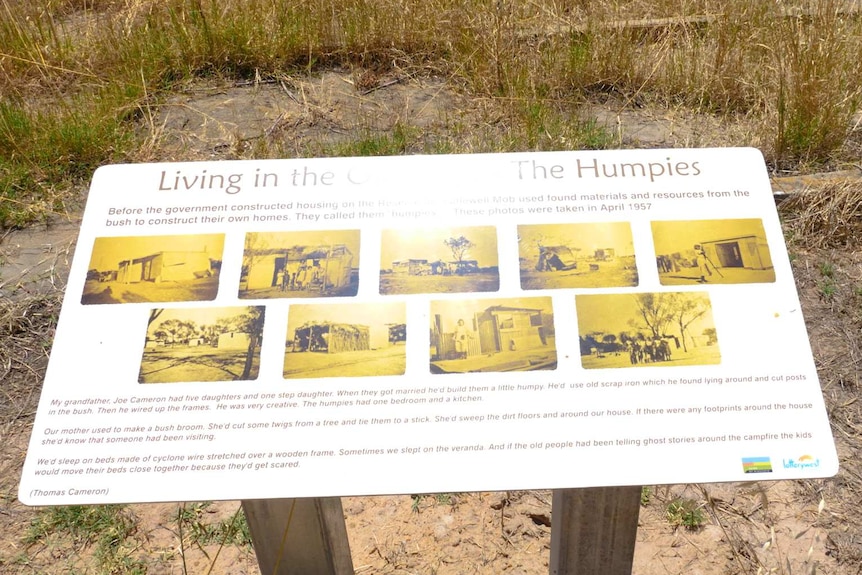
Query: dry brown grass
point(78, 75)
point(825, 217)
point(25, 329)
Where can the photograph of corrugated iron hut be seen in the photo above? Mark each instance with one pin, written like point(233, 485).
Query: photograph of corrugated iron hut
point(346, 340)
point(154, 269)
point(300, 264)
point(202, 344)
point(662, 329)
point(712, 252)
point(511, 334)
point(439, 260)
point(589, 255)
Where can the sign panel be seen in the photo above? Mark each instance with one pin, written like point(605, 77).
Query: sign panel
point(327, 327)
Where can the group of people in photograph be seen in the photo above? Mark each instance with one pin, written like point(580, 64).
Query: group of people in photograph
point(649, 351)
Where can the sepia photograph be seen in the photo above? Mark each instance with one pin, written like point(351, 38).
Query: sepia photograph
point(590, 255)
point(202, 344)
point(712, 252)
point(346, 340)
point(511, 334)
point(662, 329)
point(300, 264)
point(439, 260)
point(139, 269)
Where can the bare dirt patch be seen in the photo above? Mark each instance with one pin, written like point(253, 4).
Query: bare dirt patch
point(304, 115)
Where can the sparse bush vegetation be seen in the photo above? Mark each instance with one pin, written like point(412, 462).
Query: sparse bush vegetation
point(106, 527)
point(686, 513)
point(76, 76)
point(192, 523)
point(646, 495)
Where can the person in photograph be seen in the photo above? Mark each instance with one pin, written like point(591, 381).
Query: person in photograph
point(703, 265)
point(462, 335)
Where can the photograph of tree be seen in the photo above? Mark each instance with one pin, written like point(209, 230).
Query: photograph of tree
point(712, 251)
point(346, 340)
point(300, 264)
point(511, 334)
point(661, 329)
point(138, 269)
point(202, 344)
point(589, 255)
point(439, 260)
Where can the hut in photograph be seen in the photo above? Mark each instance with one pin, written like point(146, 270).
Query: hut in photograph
point(441, 268)
point(464, 267)
point(411, 267)
point(556, 258)
point(310, 267)
point(127, 272)
point(747, 252)
point(604, 254)
point(397, 333)
point(165, 266)
point(233, 340)
point(504, 328)
point(329, 337)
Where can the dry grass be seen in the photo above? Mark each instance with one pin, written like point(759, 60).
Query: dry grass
point(825, 217)
point(77, 76)
point(26, 326)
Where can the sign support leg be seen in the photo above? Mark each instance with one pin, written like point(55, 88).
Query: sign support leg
point(594, 530)
point(299, 536)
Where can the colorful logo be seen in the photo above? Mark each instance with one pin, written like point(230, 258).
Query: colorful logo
point(756, 465)
point(802, 462)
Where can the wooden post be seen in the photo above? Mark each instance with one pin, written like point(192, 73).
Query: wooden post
point(299, 536)
point(593, 530)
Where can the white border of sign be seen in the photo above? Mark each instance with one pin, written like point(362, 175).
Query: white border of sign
point(550, 390)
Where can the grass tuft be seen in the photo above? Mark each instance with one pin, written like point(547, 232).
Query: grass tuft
point(686, 513)
point(74, 74)
point(231, 531)
point(825, 217)
point(106, 527)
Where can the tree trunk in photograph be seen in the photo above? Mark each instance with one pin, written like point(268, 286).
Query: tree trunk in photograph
point(594, 530)
point(306, 536)
point(249, 357)
point(255, 330)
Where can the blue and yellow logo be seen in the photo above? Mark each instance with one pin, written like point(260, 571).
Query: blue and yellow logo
point(801, 462)
point(756, 465)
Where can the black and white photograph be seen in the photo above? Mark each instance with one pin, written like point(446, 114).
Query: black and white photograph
point(439, 260)
point(345, 340)
point(497, 334)
point(654, 329)
point(588, 255)
point(712, 252)
point(300, 264)
point(136, 269)
point(202, 344)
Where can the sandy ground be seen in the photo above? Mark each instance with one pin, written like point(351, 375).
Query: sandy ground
point(402, 284)
point(518, 360)
point(386, 361)
point(690, 276)
point(619, 273)
point(706, 355)
point(202, 363)
point(96, 292)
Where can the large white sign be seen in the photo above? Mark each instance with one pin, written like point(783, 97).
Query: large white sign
point(327, 327)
